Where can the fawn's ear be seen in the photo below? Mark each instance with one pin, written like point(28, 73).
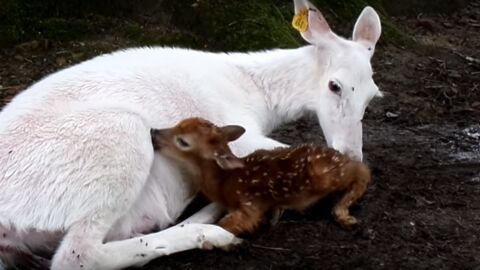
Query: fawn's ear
point(228, 161)
point(233, 132)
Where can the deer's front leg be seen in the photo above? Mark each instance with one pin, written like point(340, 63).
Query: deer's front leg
point(243, 220)
point(82, 250)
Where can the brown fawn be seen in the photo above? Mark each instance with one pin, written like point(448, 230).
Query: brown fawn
point(282, 178)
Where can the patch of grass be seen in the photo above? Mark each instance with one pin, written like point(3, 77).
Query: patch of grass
point(62, 29)
point(238, 25)
point(169, 39)
point(133, 31)
point(259, 24)
point(24, 20)
point(216, 24)
point(349, 10)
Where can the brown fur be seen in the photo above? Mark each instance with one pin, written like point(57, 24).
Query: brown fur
point(283, 178)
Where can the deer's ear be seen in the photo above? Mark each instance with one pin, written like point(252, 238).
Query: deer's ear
point(233, 132)
point(311, 24)
point(229, 161)
point(367, 29)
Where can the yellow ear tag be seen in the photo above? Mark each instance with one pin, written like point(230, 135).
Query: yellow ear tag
point(300, 21)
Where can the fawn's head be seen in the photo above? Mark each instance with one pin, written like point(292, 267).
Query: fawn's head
point(196, 139)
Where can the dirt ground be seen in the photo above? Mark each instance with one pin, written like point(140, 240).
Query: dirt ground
point(422, 141)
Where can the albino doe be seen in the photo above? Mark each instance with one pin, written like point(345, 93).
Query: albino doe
point(288, 178)
point(78, 175)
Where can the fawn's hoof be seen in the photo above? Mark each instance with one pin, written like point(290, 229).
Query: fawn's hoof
point(347, 222)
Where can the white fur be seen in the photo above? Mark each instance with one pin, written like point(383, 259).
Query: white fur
point(76, 156)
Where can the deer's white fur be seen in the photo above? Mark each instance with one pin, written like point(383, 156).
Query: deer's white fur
point(76, 158)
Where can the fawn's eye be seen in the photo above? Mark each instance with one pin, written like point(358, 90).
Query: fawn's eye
point(182, 143)
point(334, 87)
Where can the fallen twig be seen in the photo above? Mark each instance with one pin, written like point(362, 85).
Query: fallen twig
point(468, 58)
point(270, 248)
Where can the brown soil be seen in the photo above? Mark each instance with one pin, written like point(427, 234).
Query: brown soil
point(422, 210)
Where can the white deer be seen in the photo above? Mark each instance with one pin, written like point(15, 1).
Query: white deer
point(78, 175)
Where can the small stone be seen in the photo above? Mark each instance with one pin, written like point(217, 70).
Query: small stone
point(61, 61)
point(392, 115)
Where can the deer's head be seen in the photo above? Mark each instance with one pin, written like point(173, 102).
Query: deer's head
point(342, 90)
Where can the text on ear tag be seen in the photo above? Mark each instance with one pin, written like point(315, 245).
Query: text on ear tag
point(300, 21)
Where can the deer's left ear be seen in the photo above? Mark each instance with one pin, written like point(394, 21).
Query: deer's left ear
point(367, 29)
point(233, 132)
point(311, 24)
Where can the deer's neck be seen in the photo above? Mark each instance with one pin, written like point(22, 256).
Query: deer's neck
point(285, 79)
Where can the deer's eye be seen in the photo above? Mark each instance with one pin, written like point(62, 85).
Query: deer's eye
point(334, 87)
point(182, 143)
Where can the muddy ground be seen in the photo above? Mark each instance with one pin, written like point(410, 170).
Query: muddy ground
point(422, 141)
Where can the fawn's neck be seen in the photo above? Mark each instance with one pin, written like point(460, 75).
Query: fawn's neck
point(208, 179)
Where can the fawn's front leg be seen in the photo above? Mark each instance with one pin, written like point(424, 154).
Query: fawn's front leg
point(353, 193)
point(245, 219)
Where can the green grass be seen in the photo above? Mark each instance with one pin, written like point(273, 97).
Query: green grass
point(214, 24)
